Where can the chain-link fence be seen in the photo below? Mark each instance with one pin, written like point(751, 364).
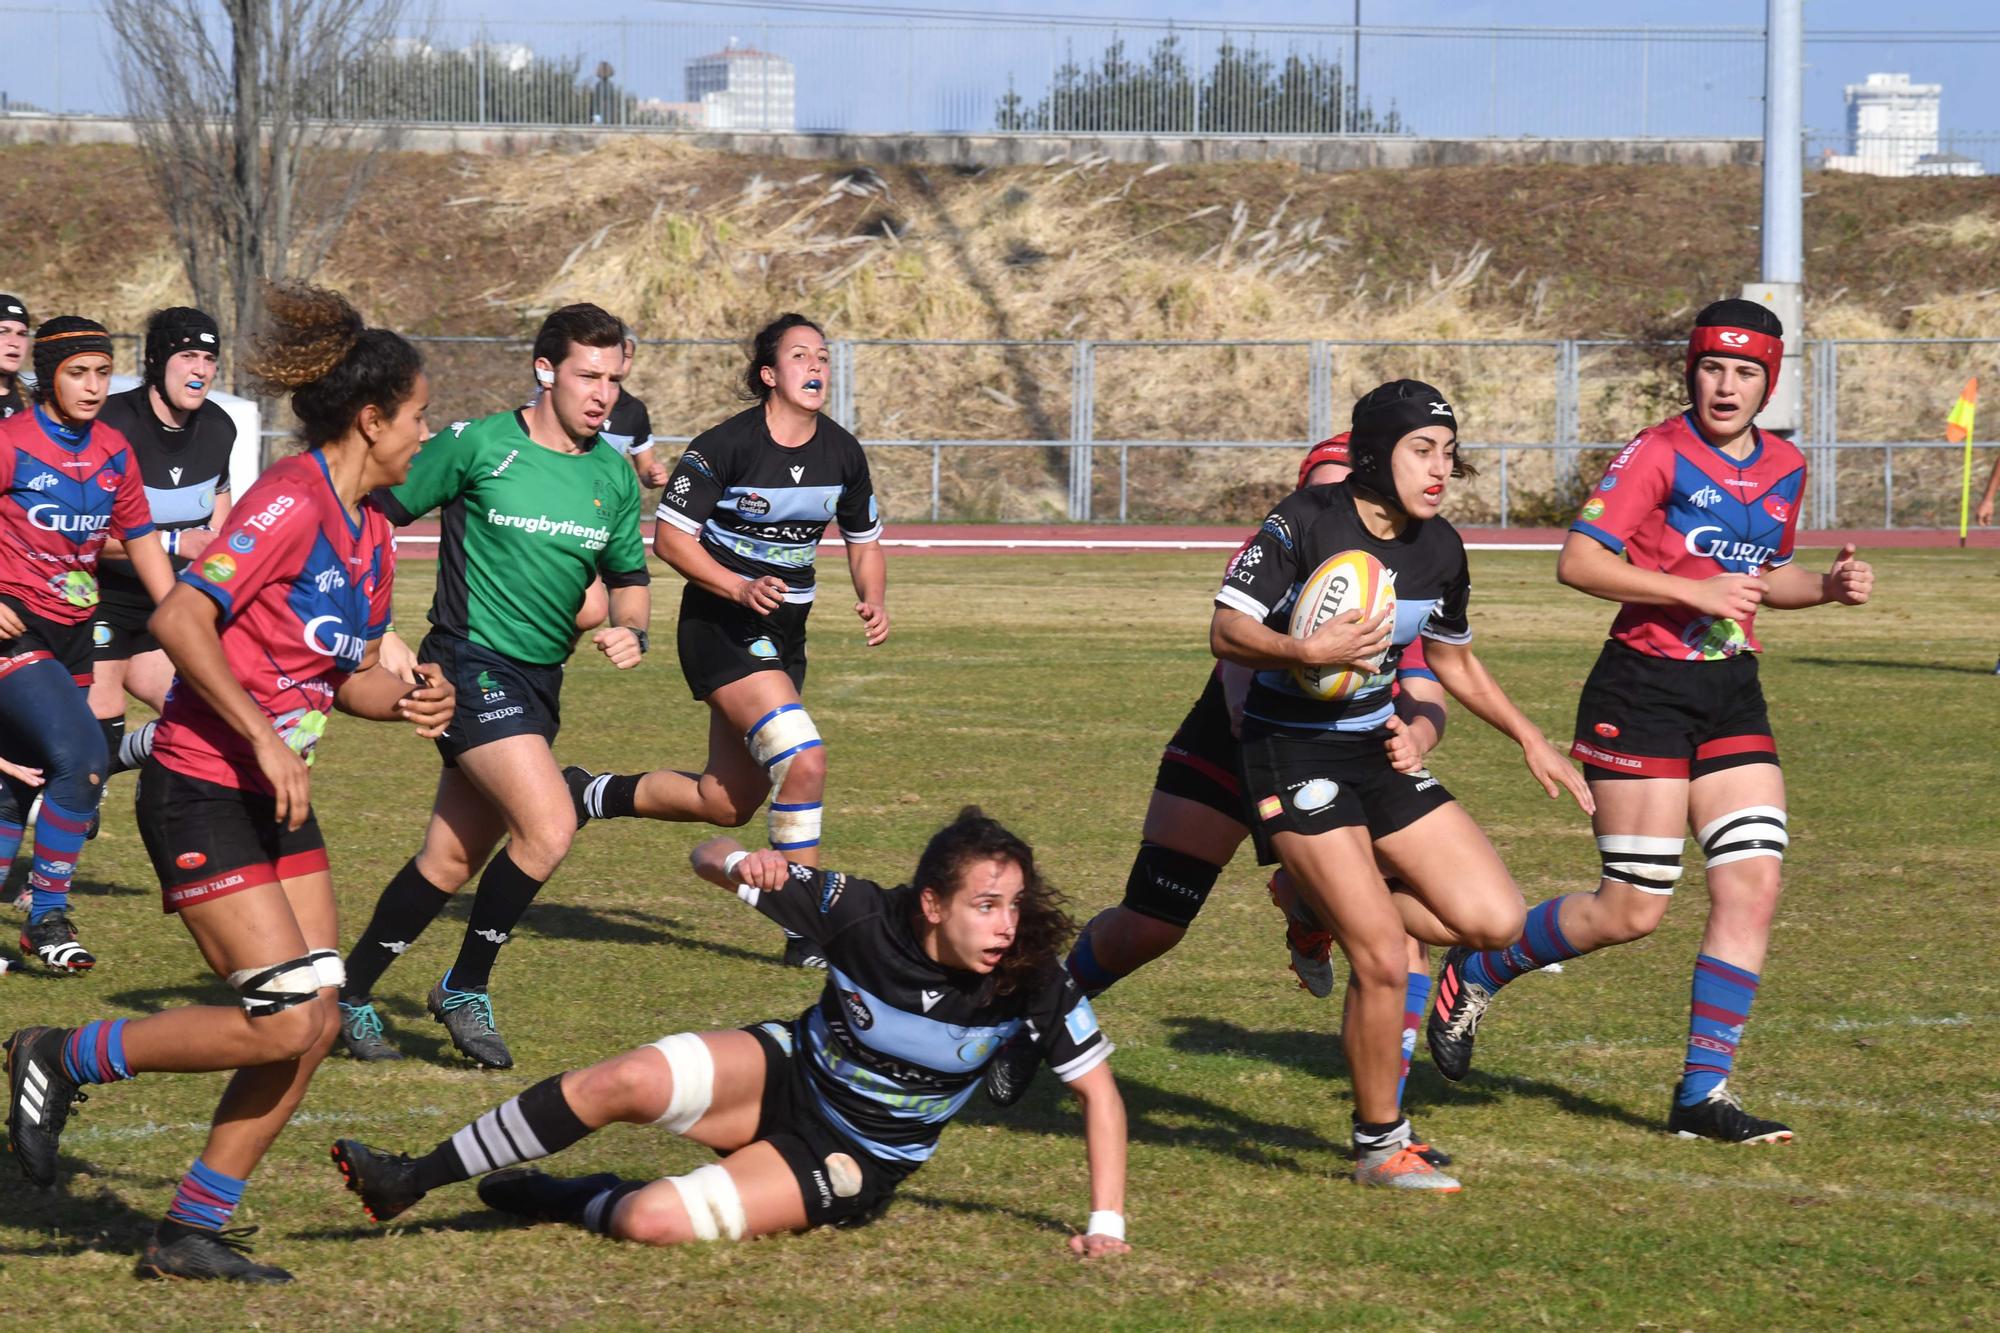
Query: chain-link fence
point(1210, 432)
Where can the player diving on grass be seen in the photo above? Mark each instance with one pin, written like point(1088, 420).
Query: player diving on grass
point(1324, 795)
point(817, 1120)
point(1690, 531)
point(741, 520)
point(535, 505)
point(277, 625)
point(1195, 821)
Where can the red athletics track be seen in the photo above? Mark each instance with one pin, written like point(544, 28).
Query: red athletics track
point(1064, 538)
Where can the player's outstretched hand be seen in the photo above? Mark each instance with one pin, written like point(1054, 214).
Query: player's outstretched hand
point(1348, 640)
point(429, 706)
point(763, 595)
point(874, 622)
point(1729, 596)
point(1554, 771)
point(1097, 1247)
point(290, 779)
point(21, 773)
point(620, 643)
point(1850, 581)
point(1404, 756)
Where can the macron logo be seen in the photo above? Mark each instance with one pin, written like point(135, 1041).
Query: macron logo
point(931, 997)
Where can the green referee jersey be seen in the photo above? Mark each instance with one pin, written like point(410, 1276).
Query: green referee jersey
point(525, 529)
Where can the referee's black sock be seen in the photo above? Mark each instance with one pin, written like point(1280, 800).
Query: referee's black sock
point(505, 891)
point(406, 906)
point(114, 734)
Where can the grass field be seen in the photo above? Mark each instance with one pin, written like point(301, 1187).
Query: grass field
point(1043, 689)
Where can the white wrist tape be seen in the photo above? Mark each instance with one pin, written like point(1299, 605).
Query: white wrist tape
point(733, 860)
point(1103, 1222)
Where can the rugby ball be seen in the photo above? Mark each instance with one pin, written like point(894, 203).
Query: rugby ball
point(1350, 581)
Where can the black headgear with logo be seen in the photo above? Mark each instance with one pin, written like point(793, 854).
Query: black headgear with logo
point(60, 339)
point(1384, 415)
point(178, 328)
point(13, 307)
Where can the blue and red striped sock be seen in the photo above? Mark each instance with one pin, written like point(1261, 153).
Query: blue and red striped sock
point(1092, 977)
point(206, 1199)
point(1541, 943)
point(1416, 994)
point(95, 1052)
point(59, 836)
point(1723, 994)
point(10, 844)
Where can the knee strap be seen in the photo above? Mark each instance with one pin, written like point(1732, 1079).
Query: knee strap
point(712, 1203)
point(1167, 885)
point(1755, 830)
point(328, 968)
point(269, 990)
point(1650, 865)
point(780, 736)
point(692, 1067)
point(795, 826)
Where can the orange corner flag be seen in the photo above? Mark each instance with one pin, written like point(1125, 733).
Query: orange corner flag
point(1958, 426)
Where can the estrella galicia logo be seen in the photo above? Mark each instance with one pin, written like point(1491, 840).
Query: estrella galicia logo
point(857, 1009)
point(242, 543)
point(753, 505)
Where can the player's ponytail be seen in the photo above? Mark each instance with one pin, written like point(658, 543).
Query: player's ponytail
point(316, 345)
point(1044, 928)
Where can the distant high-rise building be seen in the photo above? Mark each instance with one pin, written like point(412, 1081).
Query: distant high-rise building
point(741, 88)
point(1892, 128)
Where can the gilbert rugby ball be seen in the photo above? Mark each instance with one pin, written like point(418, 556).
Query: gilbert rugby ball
point(1350, 581)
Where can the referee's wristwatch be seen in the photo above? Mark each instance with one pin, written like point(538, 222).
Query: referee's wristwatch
point(640, 635)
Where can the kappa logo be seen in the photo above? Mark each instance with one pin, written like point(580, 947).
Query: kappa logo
point(929, 998)
point(798, 473)
point(505, 463)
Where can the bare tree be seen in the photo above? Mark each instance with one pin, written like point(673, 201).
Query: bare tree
point(236, 105)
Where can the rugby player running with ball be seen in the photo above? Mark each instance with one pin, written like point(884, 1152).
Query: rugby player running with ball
point(741, 521)
point(1690, 531)
point(276, 625)
point(1324, 792)
point(71, 484)
point(535, 505)
point(819, 1119)
point(183, 442)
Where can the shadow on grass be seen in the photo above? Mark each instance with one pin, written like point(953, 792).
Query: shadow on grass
point(1893, 664)
point(1039, 1220)
point(152, 999)
point(475, 1218)
point(626, 925)
point(72, 1222)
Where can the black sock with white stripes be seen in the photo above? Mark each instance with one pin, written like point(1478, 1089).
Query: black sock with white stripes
point(595, 1215)
point(612, 795)
point(538, 1123)
point(135, 748)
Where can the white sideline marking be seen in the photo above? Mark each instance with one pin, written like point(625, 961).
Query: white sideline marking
point(1079, 544)
point(111, 1133)
point(1739, 1185)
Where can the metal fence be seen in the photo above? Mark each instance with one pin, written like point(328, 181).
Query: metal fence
point(1210, 432)
point(877, 70)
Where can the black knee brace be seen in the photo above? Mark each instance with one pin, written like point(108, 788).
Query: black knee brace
point(1167, 885)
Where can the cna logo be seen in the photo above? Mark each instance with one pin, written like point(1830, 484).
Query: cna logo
point(1733, 338)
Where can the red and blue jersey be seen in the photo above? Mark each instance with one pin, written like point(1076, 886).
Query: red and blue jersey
point(66, 494)
point(1673, 502)
point(303, 589)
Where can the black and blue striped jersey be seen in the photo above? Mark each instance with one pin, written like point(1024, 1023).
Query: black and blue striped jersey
point(760, 507)
point(898, 1042)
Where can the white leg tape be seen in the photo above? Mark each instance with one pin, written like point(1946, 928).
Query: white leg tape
point(712, 1203)
point(778, 738)
point(328, 967)
point(692, 1068)
point(795, 826)
point(1650, 865)
point(269, 990)
point(1755, 830)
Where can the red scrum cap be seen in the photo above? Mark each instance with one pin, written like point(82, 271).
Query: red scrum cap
point(1742, 329)
point(1326, 451)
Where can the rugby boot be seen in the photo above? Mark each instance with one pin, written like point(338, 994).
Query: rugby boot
point(802, 952)
point(387, 1184)
point(1310, 943)
point(40, 1093)
point(51, 937)
point(1431, 1153)
point(1721, 1117)
point(193, 1254)
point(1012, 1069)
point(361, 1033)
point(1400, 1166)
point(1454, 1019)
point(577, 778)
point(468, 1016)
point(539, 1197)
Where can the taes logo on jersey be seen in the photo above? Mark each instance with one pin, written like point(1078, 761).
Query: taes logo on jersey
point(271, 513)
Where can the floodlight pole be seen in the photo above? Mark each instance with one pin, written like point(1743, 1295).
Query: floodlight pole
point(1784, 205)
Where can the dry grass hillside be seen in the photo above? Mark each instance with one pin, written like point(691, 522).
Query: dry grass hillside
point(688, 244)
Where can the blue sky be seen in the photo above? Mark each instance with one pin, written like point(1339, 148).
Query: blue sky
point(886, 72)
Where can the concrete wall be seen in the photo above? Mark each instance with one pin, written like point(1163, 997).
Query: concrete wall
point(1000, 150)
